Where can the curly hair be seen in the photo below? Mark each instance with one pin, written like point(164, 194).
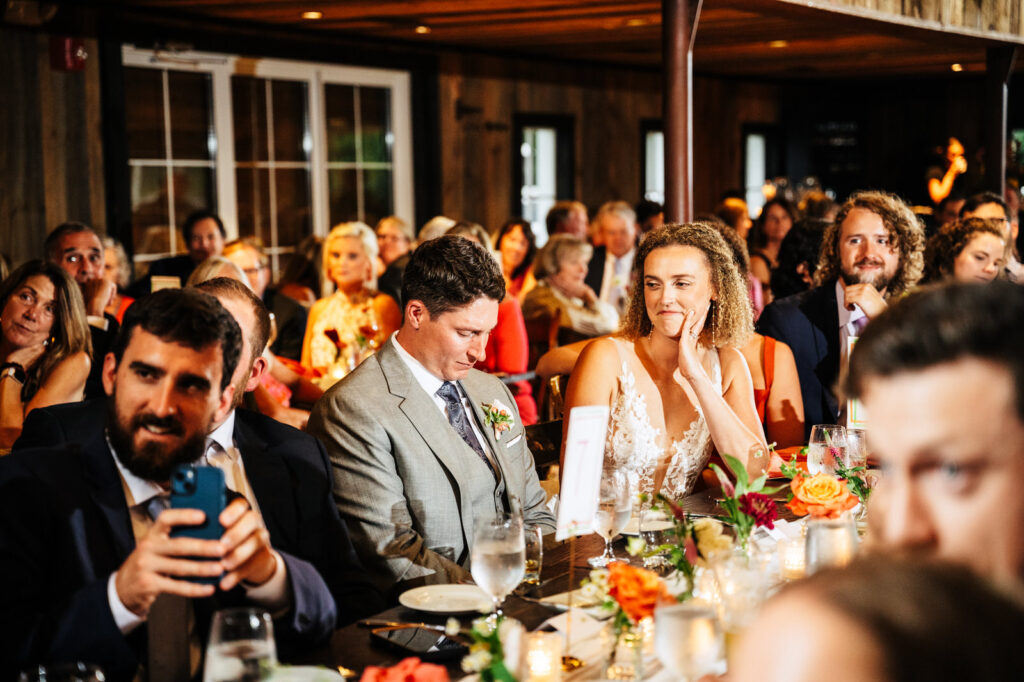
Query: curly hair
point(946, 245)
point(905, 231)
point(730, 319)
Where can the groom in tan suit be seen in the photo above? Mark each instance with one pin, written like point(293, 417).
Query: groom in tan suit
point(421, 443)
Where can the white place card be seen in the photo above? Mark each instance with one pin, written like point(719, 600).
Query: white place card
point(581, 472)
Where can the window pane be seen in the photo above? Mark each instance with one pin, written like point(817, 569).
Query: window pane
point(654, 166)
point(253, 190)
point(293, 206)
point(342, 188)
point(194, 189)
point(291, 139)
point(539, 153)
point(249, 109)
point(144, 113)
point(191, 115)
point(150, 210)
point(339, 103)
point(377, 199)
point(375, 120)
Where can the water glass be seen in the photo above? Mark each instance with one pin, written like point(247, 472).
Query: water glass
point(827, 442)
point(830, 542)
point(498, 559)
point(655, 530)
point(63, 672)
point(613, 511)
point(241, 647)
point(688, 640)
point(856, 448)
point(534, 542)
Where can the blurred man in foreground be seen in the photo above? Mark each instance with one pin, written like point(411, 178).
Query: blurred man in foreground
point(941, 375)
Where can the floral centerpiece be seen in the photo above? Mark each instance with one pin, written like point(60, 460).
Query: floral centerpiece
point(630, 594)
point(496, 648)
point(747, 503)
point(825, 495)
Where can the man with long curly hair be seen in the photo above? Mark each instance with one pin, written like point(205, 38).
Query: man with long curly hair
point(871, 254)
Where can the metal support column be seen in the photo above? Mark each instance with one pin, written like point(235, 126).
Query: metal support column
point(678, 27)
point(998, 66)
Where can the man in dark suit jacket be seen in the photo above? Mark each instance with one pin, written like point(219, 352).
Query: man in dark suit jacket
point(77, 249)
point(204, 234)
point(66, 526)
point(872, 253)
point(610, 271)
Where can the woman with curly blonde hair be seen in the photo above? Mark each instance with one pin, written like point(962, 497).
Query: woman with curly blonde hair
point(680, 386)
point(969, 250)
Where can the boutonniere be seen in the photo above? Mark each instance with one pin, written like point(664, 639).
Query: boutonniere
point(498, 417)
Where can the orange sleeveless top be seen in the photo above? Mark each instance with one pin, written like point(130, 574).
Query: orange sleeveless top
point(768, 362)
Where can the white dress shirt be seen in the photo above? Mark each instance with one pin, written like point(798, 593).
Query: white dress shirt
point(430, 383)
point(847, 320)
point(617, 273)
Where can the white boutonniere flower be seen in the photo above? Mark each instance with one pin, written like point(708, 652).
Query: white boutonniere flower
point(498, 417)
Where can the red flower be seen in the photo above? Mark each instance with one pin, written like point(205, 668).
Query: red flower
point(677, 511)
point(761, 507)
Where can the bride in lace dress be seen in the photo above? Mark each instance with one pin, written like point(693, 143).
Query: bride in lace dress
point(679, 386)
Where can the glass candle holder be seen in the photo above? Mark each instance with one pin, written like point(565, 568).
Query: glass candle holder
point(830, 542)
point(544, 657)
point(792, 558)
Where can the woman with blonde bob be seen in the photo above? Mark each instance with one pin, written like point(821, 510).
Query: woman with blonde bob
point(349, 325)
point(44, 344)
point(680, 386)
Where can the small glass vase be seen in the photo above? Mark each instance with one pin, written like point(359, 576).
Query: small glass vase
point(625, 660)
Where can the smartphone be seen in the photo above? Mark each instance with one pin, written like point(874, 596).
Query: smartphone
point(426, 643)
point(199, 488)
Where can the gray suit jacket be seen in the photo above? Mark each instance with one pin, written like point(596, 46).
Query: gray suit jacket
point(397, 463)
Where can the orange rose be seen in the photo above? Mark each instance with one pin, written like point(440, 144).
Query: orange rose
point(636, 590)
point(821, 495)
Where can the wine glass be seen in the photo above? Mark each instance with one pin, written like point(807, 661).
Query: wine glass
point(241, 646)
point(688, 639)
point(613, 511)
point(827, 442)
point(498, 559)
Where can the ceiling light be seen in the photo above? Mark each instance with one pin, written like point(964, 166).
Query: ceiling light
point(422, 29)
point(957, 67)
point(313, 15)
point(779, 43)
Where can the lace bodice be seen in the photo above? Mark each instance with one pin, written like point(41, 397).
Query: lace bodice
point(638, 447)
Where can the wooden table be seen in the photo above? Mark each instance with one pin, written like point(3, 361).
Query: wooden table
point(351, 646)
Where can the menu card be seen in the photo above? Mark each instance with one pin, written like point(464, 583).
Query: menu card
point(581, 472)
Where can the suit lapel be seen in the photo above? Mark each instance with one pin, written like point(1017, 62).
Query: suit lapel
point(478, 395)
point(107, 493)
point(426, 419)
point(270, 481)
point(823, 311)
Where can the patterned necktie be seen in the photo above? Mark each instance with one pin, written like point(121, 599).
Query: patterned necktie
point(858, 325)
point(460, 422)
point(169, 652)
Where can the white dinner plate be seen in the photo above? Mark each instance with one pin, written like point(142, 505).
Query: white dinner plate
point(633, 527)
point(446, 599)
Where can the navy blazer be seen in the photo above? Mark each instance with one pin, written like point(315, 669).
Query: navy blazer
point(65, 527)
point(595, 269)
point(808, 323)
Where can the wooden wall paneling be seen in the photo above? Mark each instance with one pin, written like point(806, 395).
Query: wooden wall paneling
point(453, 151)
point(52, 108)
point(22, 202)
point(93, 128)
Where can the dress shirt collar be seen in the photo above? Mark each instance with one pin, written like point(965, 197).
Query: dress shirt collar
point(424, 377)
point(137, 490)
point(224, 435)
point(846, 316)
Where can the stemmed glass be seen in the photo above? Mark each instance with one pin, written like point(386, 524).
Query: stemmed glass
point(827, 442)
point(688, 640)
point(241, 646)
point(498, 559)
point(614, 508)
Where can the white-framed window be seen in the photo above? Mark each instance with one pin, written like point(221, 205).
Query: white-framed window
point(540, 169)
point(654, 166)
point(280, 149)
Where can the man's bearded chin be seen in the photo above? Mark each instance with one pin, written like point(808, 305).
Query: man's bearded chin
point(878, 279)
point(153, 462)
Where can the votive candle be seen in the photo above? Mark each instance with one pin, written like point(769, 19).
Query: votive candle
point(544, 657)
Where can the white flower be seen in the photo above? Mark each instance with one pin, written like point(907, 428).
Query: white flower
point(483, 626)
point(590, 592)
point(452, 627)
point(476, 661)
